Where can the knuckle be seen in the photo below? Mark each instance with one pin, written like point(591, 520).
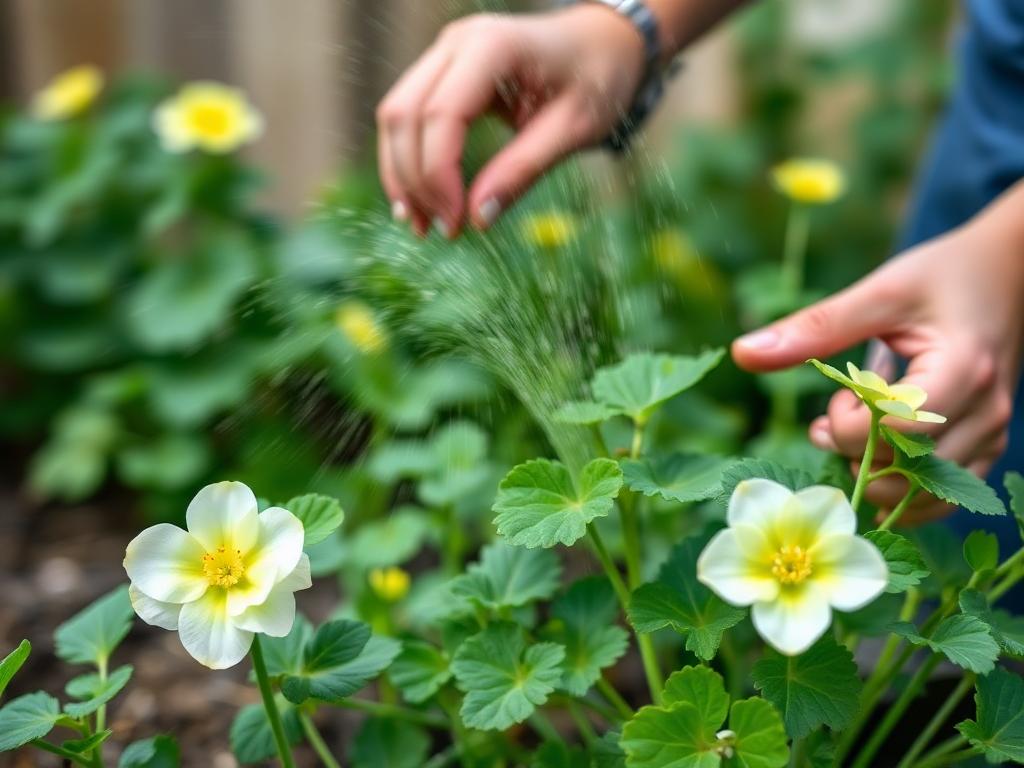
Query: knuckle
point(816, 321)
point(389, 114)
point(1002, 409)
point(984, 371)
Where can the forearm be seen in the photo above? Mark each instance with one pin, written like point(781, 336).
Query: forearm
point(683, 21)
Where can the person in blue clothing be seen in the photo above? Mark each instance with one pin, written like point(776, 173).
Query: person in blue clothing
point(950, 304)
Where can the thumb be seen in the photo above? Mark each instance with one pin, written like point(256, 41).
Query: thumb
point(556, 130)
point(864, 310)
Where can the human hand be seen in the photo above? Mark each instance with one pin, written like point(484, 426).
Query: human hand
point(560, 79)
point(954, 308)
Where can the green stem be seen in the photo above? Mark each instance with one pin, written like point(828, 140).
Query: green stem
point(614, 698)
point(900, 508)
point(652, 671)
point(284, 751)
point(950, 758)
point(618, 585)
point(866, 462)
point(895, 712)
point(544, 727)
point(316, 741)
point(794, 249)
point(579, 717)
point(937, 721)
point(101, 713)
point(796, 752)
point(944, 748)
point(396, 711)
point(53, 749)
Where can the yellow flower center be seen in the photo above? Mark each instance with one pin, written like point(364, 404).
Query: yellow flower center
point(791, 565)
point(210, 120)
point(224, 567)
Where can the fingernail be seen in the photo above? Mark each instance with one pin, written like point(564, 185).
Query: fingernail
point(760, 339)
point(442, 227)
point(398, 211)
point(489, 211)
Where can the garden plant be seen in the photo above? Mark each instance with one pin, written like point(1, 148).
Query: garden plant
point(555, 551)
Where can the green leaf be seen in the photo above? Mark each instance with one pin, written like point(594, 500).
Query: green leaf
point(906, 566)
point(607, 753)
point(539, 506)
point(341, 658)
point(1007, 629)
point(391, 540)
point(583, 621)
point(389, 743)
point(584, 412)
point(90, 636)
point(677, 477)
point(981, 551)
point(285, 655)
point(419, 671)
point(503, 679)
point(760, 735)
point(703, 689)
point(941, 550)
point(999, 725)
point(964, 640)
point(508, 576)
point(643, 381)
point(27, 717)
point(794, 479)
point(1014, 482)
point(252, 740)
point(320, 516)
point(677, 600)
point(818, 687)
point(12, 663)
point(95, 691)
point(88, 744)
point(156, 752)
point(841, 378)
point(676, 737)
point(910, 444)
point(557, 754)
point(952, 483)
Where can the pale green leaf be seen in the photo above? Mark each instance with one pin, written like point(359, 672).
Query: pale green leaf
point(583, 621)
point(760, 735)
point(156, 752)
point(507, 576)
point(419, 671)
point(285, 655)
point(704, 689)
point(27, 717)
point(964, 640)
point(252, 740)
point(87, 744)
point(1006, 628)
point(673, 737)
point(952, 483)
point(584, 412)
point(539, 506)
point(906, 566)
point(641, 382)
point(94, 691)
point(911, 444)
point(12, 663)
point(90, 636)
point(677, 600)
point(320, 515)
point(981, 550)
point(1014, 482)
point(390, 540)
point(503, 679)
point(998, 727)
point(676, 477)
point(818, 687)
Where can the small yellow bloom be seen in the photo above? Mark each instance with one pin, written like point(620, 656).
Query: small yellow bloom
point(902, 400)
point(793, 557)
point(208, 116)
point(68, 94)
point(356, 322)
point(550, 230)
point(389, 584)
point(676, 256)
point(810, 181)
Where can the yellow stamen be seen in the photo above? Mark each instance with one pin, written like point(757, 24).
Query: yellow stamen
point(791, 565)
point(223, 568)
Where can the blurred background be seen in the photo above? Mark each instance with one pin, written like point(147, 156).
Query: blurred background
point(168, 319)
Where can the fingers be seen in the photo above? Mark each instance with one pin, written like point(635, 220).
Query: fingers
point(561, 126)
point(869, 308)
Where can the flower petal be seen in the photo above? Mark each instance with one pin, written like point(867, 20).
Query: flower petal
point(300, 578)
point(208, 633)
point(868, 379)
point(281, 536)
point(827, 509)
point(274, 616)
point(259, 579)
point(166, 563)
point(929, 417)
point(727, 571)
point(224, 515)
point(792, 623)
point(757, 501)
point(911, 394)
point(897, 408)
point(154, 612)
point(850, 569)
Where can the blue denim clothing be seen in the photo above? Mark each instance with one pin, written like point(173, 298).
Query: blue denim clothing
point(976, 154)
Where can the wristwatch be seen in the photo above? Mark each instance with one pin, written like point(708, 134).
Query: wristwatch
point(652, 84)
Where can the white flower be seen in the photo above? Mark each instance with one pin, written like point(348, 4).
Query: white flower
point(231, 574)
point(793, 557)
